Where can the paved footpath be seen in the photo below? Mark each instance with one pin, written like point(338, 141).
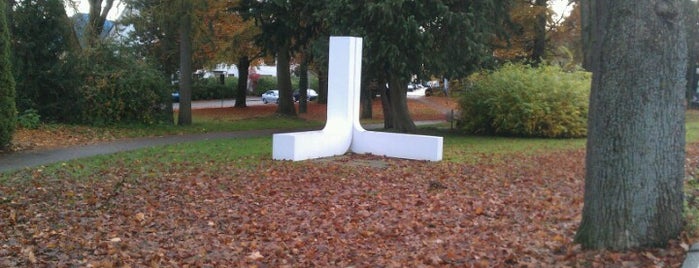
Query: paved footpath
point(32, 158)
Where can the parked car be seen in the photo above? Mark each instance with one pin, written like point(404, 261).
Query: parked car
point(310, 93)
point(419, 90)
point(175, 97)
point(271, 95)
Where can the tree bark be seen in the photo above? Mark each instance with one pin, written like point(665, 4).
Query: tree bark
point(97, 17)
point(399, 105)
point(366, 99)
point(286, 98)
point(323, 86)
point(539, 33)
point(185, 86)
point(241, 91)
point(636, 132)
point(303, 85)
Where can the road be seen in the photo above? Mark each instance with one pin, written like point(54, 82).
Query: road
point(250, 101)
point(205, 104)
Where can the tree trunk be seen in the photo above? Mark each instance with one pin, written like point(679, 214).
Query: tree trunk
point(540, 32)
point(386, 104)
point(185, 113)
point(96, 18)
point(323, 84)
point(366, 99)
point(241, 94)
point(303, 85)
point(691, 13)
point(590, 29)
point(399, 105)
point(286, 98)
point(636, 134)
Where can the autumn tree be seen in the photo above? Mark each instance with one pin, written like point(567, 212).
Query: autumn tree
point(8, 112)
point(232, 39)
point(637, 51)
point(566, 39)
point(527, 34)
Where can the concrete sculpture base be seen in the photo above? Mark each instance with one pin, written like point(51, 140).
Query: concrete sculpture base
point(343, 132)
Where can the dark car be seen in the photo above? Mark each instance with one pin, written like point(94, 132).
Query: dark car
point(175, 97)
point(310, 94)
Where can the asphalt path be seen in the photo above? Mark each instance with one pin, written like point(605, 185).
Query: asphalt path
point(33, 158)
point(223, 103)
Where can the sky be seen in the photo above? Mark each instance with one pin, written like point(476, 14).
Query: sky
point(84, 7)
point(559, 6)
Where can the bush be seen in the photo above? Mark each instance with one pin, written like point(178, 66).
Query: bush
point(29, 119)
point(211, 88)
point(518, 100)
point(120, 88)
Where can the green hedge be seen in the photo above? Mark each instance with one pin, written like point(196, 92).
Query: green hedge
point(211, 88)
point(518, 100)
point(118, 87)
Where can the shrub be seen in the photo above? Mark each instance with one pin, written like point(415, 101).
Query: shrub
point(120, 88)
point(29, 119)
point(211, 88)
point(518, 100)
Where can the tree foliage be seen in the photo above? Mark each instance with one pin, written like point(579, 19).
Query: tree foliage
point(526, 34)
point(39, 56)
point(286, 27)
point(404, 38)
point(8, 112)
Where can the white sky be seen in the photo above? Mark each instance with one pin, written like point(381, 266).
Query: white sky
point(561, 8)
point(84, 7)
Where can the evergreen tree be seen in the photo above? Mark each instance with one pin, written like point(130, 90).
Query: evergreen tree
point(38, 54)
point(8, 112)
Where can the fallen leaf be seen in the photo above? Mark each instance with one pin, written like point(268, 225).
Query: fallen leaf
point(255, 255)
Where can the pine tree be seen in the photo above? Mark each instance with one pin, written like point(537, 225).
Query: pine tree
point(8, 112)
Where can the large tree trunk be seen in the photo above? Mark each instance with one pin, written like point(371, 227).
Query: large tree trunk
point(303, 85)
point(385, 103)
point(366, 99)
point(185, 113)
point(286, 98)
point(540, 32)
point(243, 72)
point(323, 86)
point(399, 105)
point(636, 135)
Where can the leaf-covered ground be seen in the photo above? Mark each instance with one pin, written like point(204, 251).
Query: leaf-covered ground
point(356, 210)
point(515, 210)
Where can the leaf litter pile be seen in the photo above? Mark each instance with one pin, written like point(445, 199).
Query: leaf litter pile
point(519, 210)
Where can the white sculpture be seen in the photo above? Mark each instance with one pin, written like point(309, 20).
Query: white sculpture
point(343, 131)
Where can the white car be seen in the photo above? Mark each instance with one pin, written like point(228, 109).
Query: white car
point(271, 95)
